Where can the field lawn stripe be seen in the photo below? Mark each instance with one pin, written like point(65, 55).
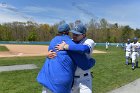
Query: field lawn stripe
point(17, 67)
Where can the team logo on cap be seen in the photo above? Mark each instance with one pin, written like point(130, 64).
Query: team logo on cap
point(76, 28)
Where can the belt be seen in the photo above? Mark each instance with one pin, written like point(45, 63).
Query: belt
point(86, 74)
point(128, 51)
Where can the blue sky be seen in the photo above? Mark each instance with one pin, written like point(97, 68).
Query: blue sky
point(123, 12)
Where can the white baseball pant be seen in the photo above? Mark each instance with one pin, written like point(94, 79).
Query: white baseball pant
point(82, 84)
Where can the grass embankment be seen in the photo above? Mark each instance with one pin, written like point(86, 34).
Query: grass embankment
point(3, 48)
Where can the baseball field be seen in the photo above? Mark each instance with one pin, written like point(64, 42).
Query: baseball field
point(110, 72)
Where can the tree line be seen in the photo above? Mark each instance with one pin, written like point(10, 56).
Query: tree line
point(101, 31)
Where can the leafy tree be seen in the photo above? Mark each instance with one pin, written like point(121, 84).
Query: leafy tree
point(137, 33)
point(127, 32)
point(32, 36)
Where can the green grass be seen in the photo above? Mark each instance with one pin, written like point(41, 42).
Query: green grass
point(109, 73)
point(20, 81)
point(22, 60)
point(3, 48)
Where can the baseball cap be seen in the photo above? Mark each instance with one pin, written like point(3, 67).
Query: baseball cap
point(135, 38)
point(79, 29)
point(63, 27)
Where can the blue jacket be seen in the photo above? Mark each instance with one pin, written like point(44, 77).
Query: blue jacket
point(57, 73)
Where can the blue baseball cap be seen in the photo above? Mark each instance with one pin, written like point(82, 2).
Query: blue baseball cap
point(135, 39)
point(79, 29)
point(63, 27)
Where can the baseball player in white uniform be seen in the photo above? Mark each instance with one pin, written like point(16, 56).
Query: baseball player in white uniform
point(135, 52)
point(128, 51)
point(106, 45)
point(83, 78)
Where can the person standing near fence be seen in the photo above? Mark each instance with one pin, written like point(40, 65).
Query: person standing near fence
point(128, 51)
point(106, 45)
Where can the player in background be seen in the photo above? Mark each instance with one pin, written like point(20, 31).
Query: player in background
point(106, 45)
point(128, 51)
point(135, 52)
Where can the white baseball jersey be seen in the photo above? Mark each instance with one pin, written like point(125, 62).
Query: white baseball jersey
point(84, 83)
point(136, 47)
point(128, 47)
point(135, 51)
point(90, 43)
point(107, 44)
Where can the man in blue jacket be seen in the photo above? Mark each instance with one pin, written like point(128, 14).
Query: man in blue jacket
point(57, 73)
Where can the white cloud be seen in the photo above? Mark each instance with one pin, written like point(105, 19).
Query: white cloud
point(10, 18)
point(122, 13)
point(50, 14)
point(33, 9)
point(9, 13)
point(6, 16)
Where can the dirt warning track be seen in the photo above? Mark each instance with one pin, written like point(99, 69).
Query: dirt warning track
point(28, 50)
